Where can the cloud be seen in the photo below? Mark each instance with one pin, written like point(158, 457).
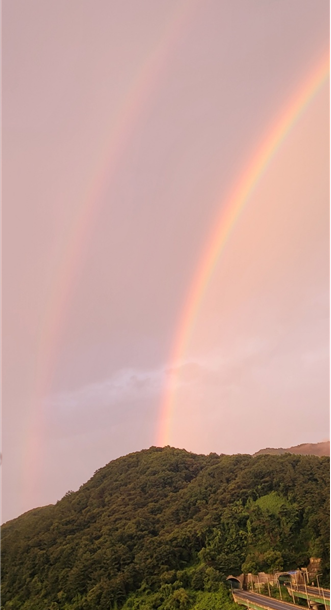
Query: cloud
point(124, 397)
point(187, 372)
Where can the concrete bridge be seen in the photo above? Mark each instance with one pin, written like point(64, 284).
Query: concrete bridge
point(256, 601)
point(313, 595)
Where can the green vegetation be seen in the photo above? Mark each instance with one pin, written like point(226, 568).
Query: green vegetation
point(163, 528)
point(272, 502)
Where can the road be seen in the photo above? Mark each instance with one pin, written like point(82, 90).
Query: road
point(312, 590)
point(256, 600)
point(313, 594)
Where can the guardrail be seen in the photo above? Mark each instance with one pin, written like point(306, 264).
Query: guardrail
point(257, 601)
point(312, 594)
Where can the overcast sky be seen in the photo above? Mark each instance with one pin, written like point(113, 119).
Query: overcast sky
point(125, 125)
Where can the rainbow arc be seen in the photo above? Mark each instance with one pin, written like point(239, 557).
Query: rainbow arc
point(231, 210)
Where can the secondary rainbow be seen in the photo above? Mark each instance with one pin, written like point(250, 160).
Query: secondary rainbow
point(231, 210)
point(144, 85)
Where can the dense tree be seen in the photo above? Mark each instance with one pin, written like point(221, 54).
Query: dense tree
point(162, 528)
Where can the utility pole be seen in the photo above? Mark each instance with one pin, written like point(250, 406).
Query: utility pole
point(305, 583)
point(305, 571)
point(280, 591)
point(290, 589)
point(324, 599)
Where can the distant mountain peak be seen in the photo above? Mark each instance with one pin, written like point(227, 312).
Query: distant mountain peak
point(319, 449)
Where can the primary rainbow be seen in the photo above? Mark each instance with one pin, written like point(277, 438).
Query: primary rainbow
point(230, 212)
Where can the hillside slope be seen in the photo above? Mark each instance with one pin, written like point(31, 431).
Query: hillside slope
point(319, 449)
point(158, 528)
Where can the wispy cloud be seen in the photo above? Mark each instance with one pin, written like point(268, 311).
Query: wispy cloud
point(125, 395)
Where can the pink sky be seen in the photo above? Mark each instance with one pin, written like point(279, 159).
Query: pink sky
point(125, 124)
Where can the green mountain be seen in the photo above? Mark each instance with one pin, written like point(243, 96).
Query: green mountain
point(162, 528)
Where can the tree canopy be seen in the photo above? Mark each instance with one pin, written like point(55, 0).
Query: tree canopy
point(163, 528)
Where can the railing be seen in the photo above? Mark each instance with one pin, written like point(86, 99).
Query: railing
point(314, 594)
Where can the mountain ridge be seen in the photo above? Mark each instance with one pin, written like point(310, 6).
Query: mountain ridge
point(318, 449)
point(159, 528)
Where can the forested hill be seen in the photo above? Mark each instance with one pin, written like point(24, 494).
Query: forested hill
point(162, 528)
